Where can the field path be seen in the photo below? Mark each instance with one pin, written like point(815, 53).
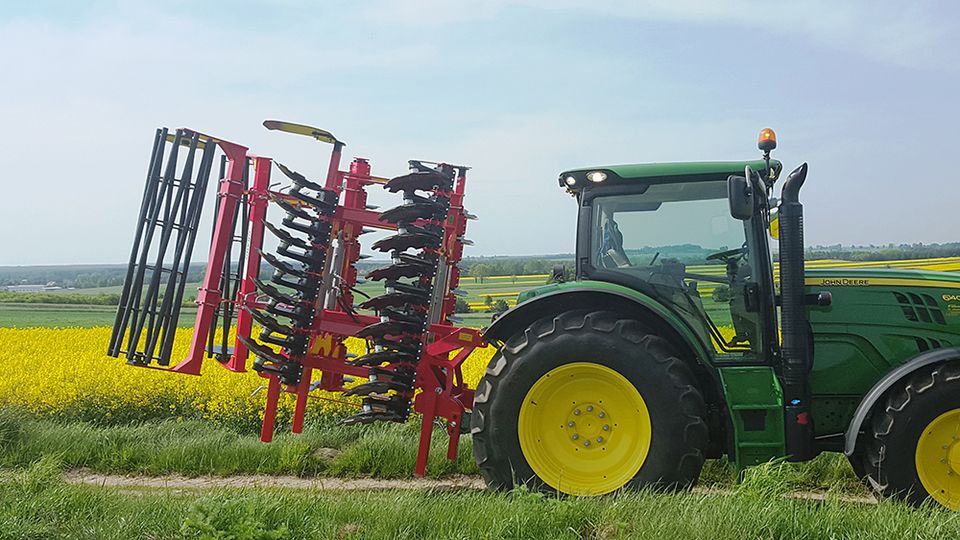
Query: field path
point(177, 482)
point(260, 481)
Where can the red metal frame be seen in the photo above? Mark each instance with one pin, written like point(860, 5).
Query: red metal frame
point(439, 379)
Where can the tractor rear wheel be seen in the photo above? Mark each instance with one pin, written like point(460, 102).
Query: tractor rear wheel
point(914, 451)
point(586, 404)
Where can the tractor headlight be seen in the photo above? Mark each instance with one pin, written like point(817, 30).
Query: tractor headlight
point(596, 176)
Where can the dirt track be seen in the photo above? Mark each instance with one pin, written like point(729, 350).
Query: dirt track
point(243, 481)
point(177, 482)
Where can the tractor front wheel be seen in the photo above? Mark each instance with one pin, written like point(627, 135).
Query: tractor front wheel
point(586, 404)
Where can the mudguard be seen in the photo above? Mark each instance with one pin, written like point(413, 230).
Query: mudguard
point(594, 295)
point(885, 383)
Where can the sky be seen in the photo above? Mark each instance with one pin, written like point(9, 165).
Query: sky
point(865, 92)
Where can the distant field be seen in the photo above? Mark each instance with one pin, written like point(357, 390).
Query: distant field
point(65, 316)
point(496, 287)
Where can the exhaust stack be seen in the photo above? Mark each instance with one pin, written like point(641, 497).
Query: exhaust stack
point(797, 353)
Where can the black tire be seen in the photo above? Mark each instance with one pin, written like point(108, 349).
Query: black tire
point(897, 424)
point(666, 384)
point(858, 462)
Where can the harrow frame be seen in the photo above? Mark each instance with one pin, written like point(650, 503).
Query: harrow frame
point(441, 392)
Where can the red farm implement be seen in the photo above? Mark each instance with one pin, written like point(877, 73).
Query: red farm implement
point(306, 308)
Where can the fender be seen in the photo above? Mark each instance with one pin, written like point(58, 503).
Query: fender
point(885, 383)
point(601, 296)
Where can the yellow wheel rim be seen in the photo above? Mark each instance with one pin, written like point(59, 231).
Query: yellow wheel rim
point(584, 429)
point(938, 459)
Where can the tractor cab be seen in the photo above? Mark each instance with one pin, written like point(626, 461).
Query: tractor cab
point(665, 229)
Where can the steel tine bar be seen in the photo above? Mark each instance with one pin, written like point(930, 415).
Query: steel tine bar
point(136, 294)
point(192, 223)
point(174, 211)
point(170, 309)
point(174, 196)
point(140, 317)
point(120, 322)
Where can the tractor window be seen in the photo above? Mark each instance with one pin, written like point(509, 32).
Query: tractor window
point(680, 241)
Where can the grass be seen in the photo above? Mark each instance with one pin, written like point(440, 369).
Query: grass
point(36, 503)
point(197, 448)
point(14, 315)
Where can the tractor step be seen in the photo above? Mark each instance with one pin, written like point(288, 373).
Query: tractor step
point(755, 402)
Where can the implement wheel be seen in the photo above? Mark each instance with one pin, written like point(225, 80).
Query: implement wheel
point(586, 404)
point(914, 451)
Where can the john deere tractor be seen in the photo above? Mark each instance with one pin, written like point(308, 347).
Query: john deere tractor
point(646, 365)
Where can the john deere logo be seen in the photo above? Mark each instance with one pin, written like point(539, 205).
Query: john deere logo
point(952, 297)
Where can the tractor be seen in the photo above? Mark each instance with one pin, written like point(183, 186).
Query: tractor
point(634, 373)
point(680, 338)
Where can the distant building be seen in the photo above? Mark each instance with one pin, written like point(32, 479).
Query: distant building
point(32, 288)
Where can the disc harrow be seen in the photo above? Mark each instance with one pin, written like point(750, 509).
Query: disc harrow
point(295, 313)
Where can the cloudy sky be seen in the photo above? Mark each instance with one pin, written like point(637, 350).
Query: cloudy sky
point(866, 92)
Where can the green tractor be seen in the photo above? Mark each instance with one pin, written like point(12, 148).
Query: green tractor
point(640, 369)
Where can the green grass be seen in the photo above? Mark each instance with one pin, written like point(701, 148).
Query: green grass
point(68, 315)
point(36, 503)
point(196, 448)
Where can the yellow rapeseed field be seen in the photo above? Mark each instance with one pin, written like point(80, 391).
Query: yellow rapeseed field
point(65, 373)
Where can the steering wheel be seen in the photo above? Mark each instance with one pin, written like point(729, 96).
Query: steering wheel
point(728, 255)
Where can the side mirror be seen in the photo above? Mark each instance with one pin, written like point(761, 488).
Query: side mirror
point(740, 196)
point(559, 274)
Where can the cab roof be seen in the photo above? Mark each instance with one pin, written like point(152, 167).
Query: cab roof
point(690, 171)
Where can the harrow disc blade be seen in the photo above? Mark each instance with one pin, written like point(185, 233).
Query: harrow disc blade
point(394, 300)
point(421, 180)
point(407, 240)
point(285, 236)
point(293, 210)
point(295, 343)
point(405, 316)
point(377, 387)
point(307, 286)
point(372, 416)
point(267, 321)
point(287, 268)
point(401, 270)
point(322, 202)
point(263, 352)
point(300, 315)
point(276, 294)
point(381, 357)
point(411, 212)
point(316, 229)
point(389, 328)
point(408, 346)
point(427, 261)
point(298, 178)
point(288, 373)
point(312, 258)
point(409, 288)
point(401, 374)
